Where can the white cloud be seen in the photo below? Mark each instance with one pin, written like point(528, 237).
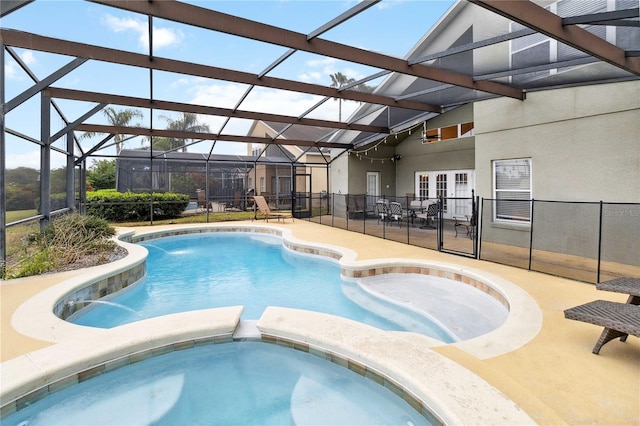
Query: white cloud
point(388, 4)
point(29, 58)
point(32, 159)
point(261, 99)
point(162, 37)
point(319, 70)
point(312, 76)
point(13, 71)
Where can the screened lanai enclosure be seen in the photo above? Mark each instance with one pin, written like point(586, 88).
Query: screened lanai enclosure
point(173, 99)
point(225, 180)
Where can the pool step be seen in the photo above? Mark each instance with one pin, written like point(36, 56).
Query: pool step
point(247, 330)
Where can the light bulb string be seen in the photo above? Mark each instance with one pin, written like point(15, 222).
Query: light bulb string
point(362, 153)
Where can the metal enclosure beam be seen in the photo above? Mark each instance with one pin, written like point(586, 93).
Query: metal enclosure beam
point(70, 169)
point(3, 160)
point(139, 131)
point(105, 98)
point(8, 6)
point(45, 159)
point(64, 47)
point(228, 24)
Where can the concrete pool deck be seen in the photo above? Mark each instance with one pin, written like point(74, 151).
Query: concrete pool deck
point(553, 376)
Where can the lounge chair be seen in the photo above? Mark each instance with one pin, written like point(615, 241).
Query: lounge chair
point(266, 212)
point(618, 319)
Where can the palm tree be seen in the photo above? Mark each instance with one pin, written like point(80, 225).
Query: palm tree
point(339, 80)
point(117, 118)
point(188, 122)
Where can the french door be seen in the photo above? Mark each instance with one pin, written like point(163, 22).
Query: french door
point(373, 189)
point(454, 186)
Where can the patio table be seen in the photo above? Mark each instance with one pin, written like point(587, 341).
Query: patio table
point(626, 285)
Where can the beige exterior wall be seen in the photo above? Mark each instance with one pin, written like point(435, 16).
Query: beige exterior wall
point(318, 174)
point(584, 145)
point(451, 154)
point(584, 142)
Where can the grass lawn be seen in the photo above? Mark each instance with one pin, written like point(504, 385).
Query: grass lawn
point(15, 215)
point(195, 218)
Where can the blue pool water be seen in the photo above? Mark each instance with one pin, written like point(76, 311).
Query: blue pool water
point(246, 383)
point(201, 271)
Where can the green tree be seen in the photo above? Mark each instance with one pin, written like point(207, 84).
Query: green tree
point(22, 176)
point(339, 80)
point(102, 174)
point(118, 118)
point(22, 188)
point(58, 180)
point(161, 143)
point(188, 122)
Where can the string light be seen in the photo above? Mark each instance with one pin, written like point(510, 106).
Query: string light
point(364, 152)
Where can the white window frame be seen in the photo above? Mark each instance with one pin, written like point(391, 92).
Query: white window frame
point(519, 192)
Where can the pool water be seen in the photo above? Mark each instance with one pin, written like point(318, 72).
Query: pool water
point(202, 271)
point(244, 383)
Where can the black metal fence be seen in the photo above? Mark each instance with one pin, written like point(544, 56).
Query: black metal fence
point(586, 241)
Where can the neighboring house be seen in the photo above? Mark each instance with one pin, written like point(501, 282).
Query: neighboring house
point(272, 179)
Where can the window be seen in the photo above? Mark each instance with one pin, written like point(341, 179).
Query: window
point(461, 130)
point(423, 186)
point(512, 190)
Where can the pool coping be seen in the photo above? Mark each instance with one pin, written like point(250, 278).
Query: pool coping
point(83, 349)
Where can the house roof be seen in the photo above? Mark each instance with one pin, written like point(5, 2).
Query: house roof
point(297, 132)
point(479, 49)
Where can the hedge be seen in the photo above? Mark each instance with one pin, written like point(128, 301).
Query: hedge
point(117, 206)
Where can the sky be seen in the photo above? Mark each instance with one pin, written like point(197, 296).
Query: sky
point(391, 27)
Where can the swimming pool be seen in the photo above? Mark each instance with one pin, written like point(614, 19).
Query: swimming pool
point(214, 270)
point(231, 383)
point(437, 382)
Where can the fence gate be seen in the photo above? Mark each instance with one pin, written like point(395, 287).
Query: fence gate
point(301, 196)
point(458, 234)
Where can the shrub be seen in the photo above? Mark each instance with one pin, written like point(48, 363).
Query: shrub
point(129, 206)
point(65, 241)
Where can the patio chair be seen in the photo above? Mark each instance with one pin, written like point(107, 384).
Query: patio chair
point(618, 319)
point(467, 223)
point(429, 215)
point(381, 210)
point(395, 212)
point(202, 198)
point(415, 207)
point(356, 207)
point(264, 209)
point(236, 203)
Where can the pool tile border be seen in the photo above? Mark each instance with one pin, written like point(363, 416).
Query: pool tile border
point(360, 369)
point(89, 373)
point(353, 272)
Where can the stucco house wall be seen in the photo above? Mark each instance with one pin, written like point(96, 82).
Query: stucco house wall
point(584, 145)
point(451, 154)
point(584, 142)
